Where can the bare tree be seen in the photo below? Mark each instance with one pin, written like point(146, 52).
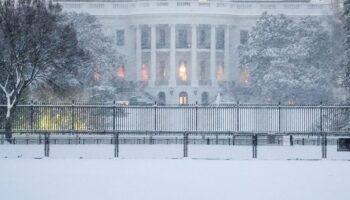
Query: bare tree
point(34, 40)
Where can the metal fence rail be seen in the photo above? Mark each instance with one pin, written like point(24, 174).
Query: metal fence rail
point(233, 118)
point(226, 124)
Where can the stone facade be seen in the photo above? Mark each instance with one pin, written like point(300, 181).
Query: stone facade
point(180, 51)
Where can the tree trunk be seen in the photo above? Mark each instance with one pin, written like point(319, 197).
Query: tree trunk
point(8, 129)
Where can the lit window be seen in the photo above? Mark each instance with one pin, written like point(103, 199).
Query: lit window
point(120, 38)
point(144, 72)
point(220, 72)
point(183, 98)
point(120, 72)
point(183, 71)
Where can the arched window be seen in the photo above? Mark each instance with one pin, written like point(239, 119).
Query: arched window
point(205, 98)
point(161, 98)
point(183, 98)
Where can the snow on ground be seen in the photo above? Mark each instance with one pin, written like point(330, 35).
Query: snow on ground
point(172, 179)
point(171, 151)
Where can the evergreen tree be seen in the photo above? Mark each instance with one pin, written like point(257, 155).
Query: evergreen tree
point(346, 21)
point(289, 61)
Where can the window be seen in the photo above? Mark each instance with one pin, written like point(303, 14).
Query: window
point(220, 39)
point(183, 76)
point(162, 71)
point(244, 36)
point(183, 98)
point(203, 71)
point(161, 98)
point(162, 37)
point(120, 72)
point(220, 72)
point(120, 37)
point(182, 39)
point(145, 39)
point(202, 37)
point(144, 73)
point(205, 98)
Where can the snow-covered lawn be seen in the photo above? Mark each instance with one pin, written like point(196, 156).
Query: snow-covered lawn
point(172, 179)
point(171, 151)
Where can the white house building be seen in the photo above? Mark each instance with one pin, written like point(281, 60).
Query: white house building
point(180, 51)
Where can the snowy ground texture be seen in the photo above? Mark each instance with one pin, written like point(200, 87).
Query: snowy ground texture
point(172, 179)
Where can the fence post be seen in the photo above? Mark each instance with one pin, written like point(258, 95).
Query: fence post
point(185, 145)
point(279, 117)
point(155, 116)
point(73, 116)
point(116, 144)
point(255, 145)
point(114, 115)
point(237, 117)
point(47, 145)
point(291, 142)
point(233, 139)
point(31, 115)
point(323, 135)
point(196, 116)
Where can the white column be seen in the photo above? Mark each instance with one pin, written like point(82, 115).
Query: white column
point(227, 53)
point(172, 71)
point(153, 56)
point(138, 53)
point(213, 56)
point(194, 79)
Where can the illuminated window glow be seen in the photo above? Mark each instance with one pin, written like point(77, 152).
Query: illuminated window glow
point(183, 71)
point(183, 98)
point(120, 72)
point(220, 73)
point(144, 73)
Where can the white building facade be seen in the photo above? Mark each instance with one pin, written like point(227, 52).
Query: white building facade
point(181, 51)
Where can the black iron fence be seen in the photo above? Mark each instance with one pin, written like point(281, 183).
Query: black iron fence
point(224, 124)
point(239, 118)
